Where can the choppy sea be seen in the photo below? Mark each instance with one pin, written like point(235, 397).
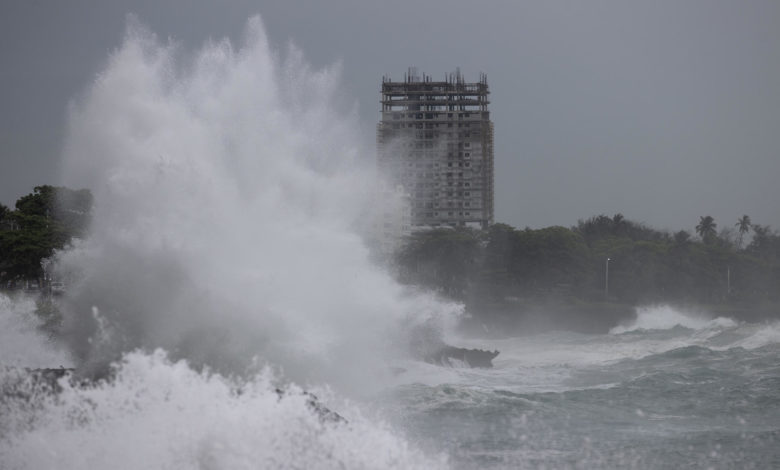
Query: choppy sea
point(229, 184)
point(668, 390)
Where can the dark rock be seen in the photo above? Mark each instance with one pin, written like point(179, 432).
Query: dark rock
point(425, 344)
point(471, 357)
point(323, 412)
point(26, 384)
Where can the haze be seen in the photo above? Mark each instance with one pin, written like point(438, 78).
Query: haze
point(664, 111)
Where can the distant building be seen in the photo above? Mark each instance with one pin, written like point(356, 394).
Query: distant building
point(435, 139)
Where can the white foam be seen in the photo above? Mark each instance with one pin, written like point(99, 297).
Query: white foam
point(231, 190)
point(665, 317)
point(762, 335)
point(159, 414)
point(549, 361)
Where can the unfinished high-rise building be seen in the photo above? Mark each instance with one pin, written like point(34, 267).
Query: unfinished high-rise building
point(435, 139)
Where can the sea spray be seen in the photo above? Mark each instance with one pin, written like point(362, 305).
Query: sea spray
point(23, 342)
point(663, 317)
point(230, 194)
point(155, 413)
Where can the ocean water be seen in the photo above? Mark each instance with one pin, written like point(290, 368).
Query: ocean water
point(668, 390)
point(691, 392)
point(159, 414)
point(226, 262)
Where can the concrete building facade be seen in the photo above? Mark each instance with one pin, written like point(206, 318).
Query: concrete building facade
point(435, 139)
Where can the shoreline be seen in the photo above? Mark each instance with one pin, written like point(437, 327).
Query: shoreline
point(512, 319)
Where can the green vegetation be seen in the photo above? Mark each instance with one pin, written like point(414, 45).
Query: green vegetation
point(503, 273)
point(506, 271)
point(744, 225)
point(44, 221)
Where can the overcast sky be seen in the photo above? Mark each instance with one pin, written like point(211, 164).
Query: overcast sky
point(661, 110)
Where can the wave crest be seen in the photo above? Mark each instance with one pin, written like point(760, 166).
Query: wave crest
point(665, 317)
point(156, 413)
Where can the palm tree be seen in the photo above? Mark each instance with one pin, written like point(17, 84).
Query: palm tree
point(744, 225)
point(618, 224)
point(706, 228)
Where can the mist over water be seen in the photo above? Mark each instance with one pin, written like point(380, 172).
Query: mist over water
point(226, 261)
point(230, 198)
point(21, 342)
point(155, 413)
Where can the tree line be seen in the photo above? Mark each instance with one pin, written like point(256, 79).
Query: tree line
point(600, 259)
point(42, 222)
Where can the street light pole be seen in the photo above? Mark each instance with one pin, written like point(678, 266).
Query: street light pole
point(728, 280)
point(606, 282)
